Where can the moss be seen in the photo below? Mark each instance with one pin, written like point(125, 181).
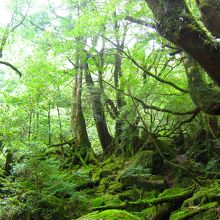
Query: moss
point(112, 214)
point(106, 199)
point(207, 215)
point(112, 166)
point(115, 187)
point(139, 172)
point(96, 177)
point(173, 191)
point(157, 212)
point(204, 195)
point(104, 184)
point(186, 213)
point(181, 180)
point(105, 173)
point(143, 182)
point(144, 158)
point(135, 194)
point(130, 195)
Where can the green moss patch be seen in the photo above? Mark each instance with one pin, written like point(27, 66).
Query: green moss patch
point(112, 214)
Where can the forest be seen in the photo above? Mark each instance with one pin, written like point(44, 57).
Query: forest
point(109, 109)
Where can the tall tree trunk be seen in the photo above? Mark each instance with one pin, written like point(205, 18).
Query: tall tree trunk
point(49, 124)
point(61, 131)
point(30, 125)
point(98, 111)
point(176, 23)
point(77, 118)
point(8, 162)
point(118, 74)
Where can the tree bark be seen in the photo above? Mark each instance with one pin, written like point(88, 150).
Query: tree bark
point(118, 74)
point(210, 11)
point(176, 23)
point(78, 120)
point(98, 111)
point(205, 97)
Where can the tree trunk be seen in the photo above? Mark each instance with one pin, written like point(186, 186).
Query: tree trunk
point(118, 74)
point(49, 123)
point(205, 97)
point(210, 11)
point(78, 120)
point(30, 126)
point(175, 23)
point(98, 111)
point(8, 162)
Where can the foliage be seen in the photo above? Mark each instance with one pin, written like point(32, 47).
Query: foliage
point(40, 188)
point(101, 69)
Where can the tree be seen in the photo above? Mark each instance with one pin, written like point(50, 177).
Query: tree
point(176, 23)
point(78, 120)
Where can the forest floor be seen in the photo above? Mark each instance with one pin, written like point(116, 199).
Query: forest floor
point(142, 186)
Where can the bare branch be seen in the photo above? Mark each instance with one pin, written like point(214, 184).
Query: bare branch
point(8, 31)
point(141, 22)
point(12, 67)
point(146, 71)
point(145, 106)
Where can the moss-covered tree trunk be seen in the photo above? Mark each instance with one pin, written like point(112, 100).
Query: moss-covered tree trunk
point(120, 42)
point(210, 11)
point(77, 118)
point(98, 111)
point(176, 23)
point(205, 97)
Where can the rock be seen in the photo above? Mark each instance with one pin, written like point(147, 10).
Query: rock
point(146, 159)
point(105, 200)
point(158, 212)
point(146, 183)
point(112, 214)
point(195, 212)
point(208, 215)
point(139, 173)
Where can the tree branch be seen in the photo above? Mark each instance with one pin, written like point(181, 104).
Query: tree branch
point(145, 106)
point(12, 67)
point(146, 71)
point(141, 22)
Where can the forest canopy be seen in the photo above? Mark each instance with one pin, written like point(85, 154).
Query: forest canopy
point(97, 94)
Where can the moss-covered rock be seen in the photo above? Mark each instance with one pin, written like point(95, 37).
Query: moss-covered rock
point(139, 172)
point(151, 183)
point(104, 184)
point(158, 212)
point(211, 214)
point(106, 199)
point(135, 194)
point(146, 159)
point(113, 164)
point(112, 214)
point(82, 178)
point(115, 187)
point(204, 195)
point(193, 211)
